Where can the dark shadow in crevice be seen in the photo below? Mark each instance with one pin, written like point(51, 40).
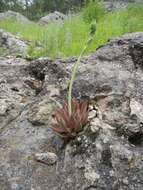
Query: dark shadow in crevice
point(136, 139)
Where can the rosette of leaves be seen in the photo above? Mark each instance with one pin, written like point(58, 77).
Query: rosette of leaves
point(69, 125)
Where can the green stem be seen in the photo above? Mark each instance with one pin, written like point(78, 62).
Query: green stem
point(72, 80)
point(90, 39)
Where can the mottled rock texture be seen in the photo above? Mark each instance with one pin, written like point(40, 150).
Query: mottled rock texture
point(108, 154)
point(13, 16)
point(119, 4)
point(11, 45)
point(55, 17)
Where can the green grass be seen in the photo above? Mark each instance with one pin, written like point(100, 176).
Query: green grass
point(68, 39)
point(93, 10)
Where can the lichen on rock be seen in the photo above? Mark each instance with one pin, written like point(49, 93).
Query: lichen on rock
point(107, 154)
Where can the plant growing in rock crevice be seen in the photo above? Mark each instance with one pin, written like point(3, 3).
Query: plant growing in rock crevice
point(73, 116)
point(69, 125)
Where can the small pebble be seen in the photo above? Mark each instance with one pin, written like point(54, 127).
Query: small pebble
point(48, 158)
point(91, 176)
point(125, 181)
point(92, 114)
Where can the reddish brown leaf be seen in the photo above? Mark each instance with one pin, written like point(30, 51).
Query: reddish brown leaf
point(67, 126)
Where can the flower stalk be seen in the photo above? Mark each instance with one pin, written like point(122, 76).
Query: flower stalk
point(75, 68)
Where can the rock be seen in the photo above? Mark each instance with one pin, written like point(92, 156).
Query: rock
point(136, 109)
point(14, 94)
point(55, 17)
point(52, 73)
point(92, 114)
point(11, 15)
point(17, 135)
point(91, 176)
point(48, 158)
point(95, 125)
point(107, 154)
point(3, 107)
point(40, 113)
point(119, 4)
point(11, 45)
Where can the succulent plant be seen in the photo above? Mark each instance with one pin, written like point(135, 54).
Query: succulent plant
point(73, 116)
point(69, 125)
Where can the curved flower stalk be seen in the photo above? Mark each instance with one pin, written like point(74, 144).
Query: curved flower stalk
point(73, 116)
point(75, 68)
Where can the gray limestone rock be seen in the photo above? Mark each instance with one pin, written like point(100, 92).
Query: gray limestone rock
point(108, 154)
point(13, 16)
point(11, 45)
point(48, 158)
point(55, 17)
point(111, 5)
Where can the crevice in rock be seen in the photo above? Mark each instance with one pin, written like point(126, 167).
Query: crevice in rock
point(136, 139)
point(106, 157)
point(14, 118)
point(136, 52)
point(15, 89)
point(94, 187)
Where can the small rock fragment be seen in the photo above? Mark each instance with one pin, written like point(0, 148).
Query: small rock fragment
point(95, 125)
point(48, 158)
point(91, 176)
point(92, 114)
point(125, 181)
point(3, 107)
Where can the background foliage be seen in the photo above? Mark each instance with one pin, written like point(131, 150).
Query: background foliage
point(69, 38)
point(34, 9)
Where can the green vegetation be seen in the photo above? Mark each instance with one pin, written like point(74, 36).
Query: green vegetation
point(75, 68)
point(34, 9)
point(94, 10)
point(58, 40)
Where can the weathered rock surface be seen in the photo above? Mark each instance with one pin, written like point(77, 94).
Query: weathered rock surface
point(55, 17)
point(13, 16)
point(11, 45)
point(119, 4)
point(107, 155)
point(48, 158)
